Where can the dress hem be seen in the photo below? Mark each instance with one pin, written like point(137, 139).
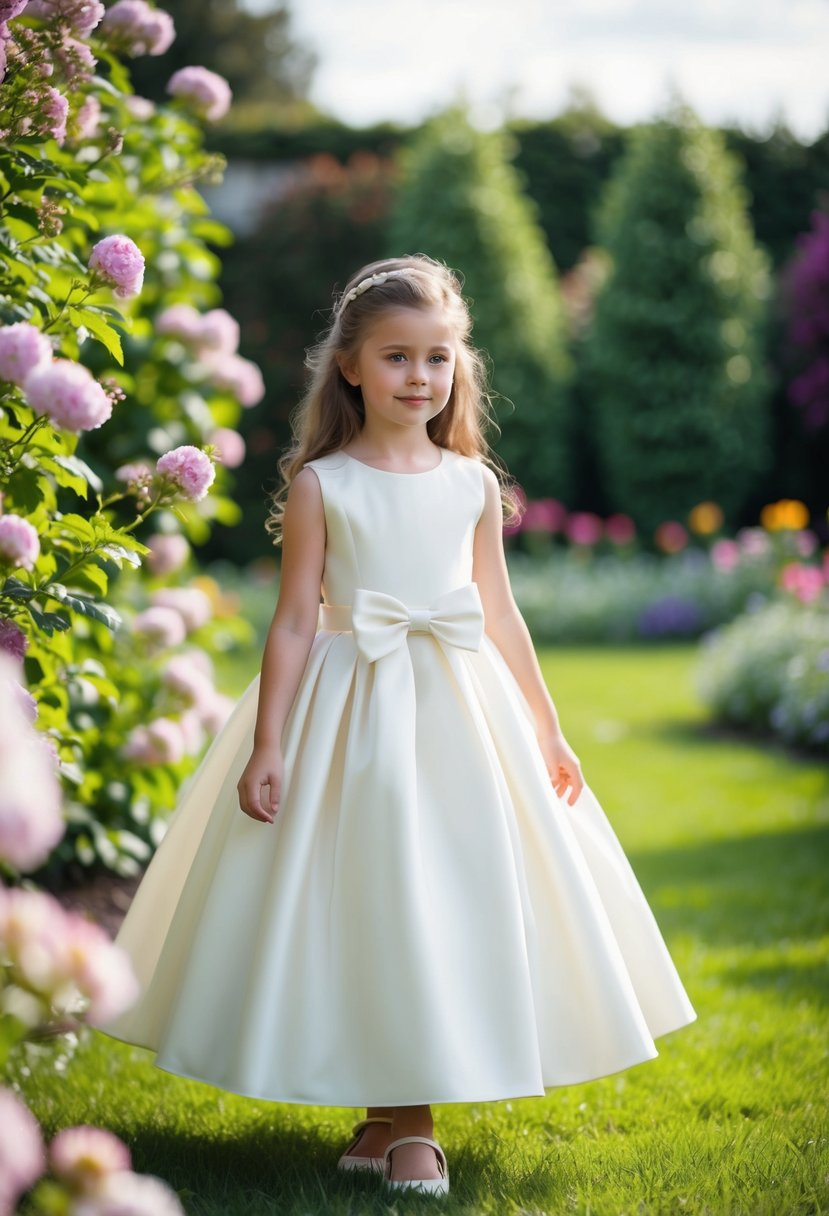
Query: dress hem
point(417, 1101)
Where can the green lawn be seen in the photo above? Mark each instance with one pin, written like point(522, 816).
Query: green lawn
point(729, 841)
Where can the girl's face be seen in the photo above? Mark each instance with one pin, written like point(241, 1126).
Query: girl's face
point(405, 366)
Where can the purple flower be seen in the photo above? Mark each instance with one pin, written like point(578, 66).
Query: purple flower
point(120, 262)
point(206, 92)
point(670, 616)
point(238, 376)
point(13, 640)
point(81, 16)
point(54, 110)
point(19, 542)
point(137, 29)
point(188, 471)
point(22, 348)
point(69, 394)
point(22, 1155)
point(11, 8)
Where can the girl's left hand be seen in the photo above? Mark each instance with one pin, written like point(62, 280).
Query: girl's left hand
point(562, 765)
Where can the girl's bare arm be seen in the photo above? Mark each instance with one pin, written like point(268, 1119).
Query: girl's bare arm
point(289, 640)
point(508, 630)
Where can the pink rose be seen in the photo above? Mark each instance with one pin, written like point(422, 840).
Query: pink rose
point(54, 112)
point(162, 626)
point(191, 603)
point(219, 331)
point(230, 444)
point(22, 348)
point(188, 471)
point(168, 552)
point(204, 91)
point(238, 376)
point(187, 681)
point(120, 262)
point(19, 542)
point(159, 742)
point(216, 712)
point(725, 554)
point(140, 107)
point(69, 394)
point(619, 529)
point(671, 536)
point(179, 321)
point(584, 528)
point(101, 971)
point(123, 1193)
point(137, 29)
point(88, 119)
point(22, 1155)
point(82, 1156)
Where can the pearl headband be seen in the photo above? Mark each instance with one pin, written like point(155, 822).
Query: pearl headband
point(373, 281)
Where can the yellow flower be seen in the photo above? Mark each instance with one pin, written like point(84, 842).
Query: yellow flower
point(705, 517)
point(784, 514)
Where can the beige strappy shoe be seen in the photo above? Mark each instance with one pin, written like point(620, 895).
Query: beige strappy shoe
point(431, 1186)
point(349, 1161)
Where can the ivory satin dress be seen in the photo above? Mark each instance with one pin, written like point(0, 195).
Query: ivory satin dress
point(426, 920)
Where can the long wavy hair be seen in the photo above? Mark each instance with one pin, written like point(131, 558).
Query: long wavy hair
point(331, 413)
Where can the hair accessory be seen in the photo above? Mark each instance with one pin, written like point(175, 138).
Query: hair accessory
point(373, 281)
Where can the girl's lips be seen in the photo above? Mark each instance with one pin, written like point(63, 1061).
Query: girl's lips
point(415, 400)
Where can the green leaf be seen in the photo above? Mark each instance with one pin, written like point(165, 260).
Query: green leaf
point(78, 603)
point(95, 578)
point(119, 554)
point(99, 329)
point(75, 465)
point(48, 621)
point(17, 590)
point(77, 525)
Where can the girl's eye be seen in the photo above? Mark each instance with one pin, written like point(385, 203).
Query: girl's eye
point(440, 358)
point(397, 355)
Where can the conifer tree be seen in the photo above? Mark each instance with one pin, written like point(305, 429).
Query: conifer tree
point(676, 381)
point(462, 202)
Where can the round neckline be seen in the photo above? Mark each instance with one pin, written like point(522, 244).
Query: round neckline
point(394, 472)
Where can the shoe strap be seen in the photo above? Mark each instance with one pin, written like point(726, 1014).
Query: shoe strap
point(358, 1127)
point(420, 1140)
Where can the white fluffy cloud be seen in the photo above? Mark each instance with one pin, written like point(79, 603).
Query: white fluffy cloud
point(747, 61)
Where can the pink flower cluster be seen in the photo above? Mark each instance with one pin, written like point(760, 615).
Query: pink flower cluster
point(205, 92)
point(187, 679)
point(214, 339)
point(805, 582)
point(31, 820)
point(90, 1166)
point(168, 552)
point(135, 28)
point(69, 394)
point(19, 542)
point(80, 16)
point(67, 963)
point(120, 263)
point(187, 471)
point(551, 517)
point(22, 348)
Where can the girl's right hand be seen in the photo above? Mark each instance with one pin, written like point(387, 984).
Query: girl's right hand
point(265, 767)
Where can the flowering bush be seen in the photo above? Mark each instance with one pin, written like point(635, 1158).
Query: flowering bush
point(101, 232)
point(769, 671)
point(590, 581)
point(58, 973)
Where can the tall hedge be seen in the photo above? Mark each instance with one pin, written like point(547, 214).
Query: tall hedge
point(676, 381)
point(460, 200)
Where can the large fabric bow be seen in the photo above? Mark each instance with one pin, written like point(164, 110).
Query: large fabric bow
point(381, 622)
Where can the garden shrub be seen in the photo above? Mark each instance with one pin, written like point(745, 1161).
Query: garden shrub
point(676, 380)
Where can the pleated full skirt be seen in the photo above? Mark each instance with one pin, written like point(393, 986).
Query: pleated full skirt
point(425, 921)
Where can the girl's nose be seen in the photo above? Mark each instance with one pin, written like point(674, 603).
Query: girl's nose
point(417, 375)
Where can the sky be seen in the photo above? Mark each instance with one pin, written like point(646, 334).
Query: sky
point(746, 62)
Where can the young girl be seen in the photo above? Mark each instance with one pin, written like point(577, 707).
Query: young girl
point(427, 904)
